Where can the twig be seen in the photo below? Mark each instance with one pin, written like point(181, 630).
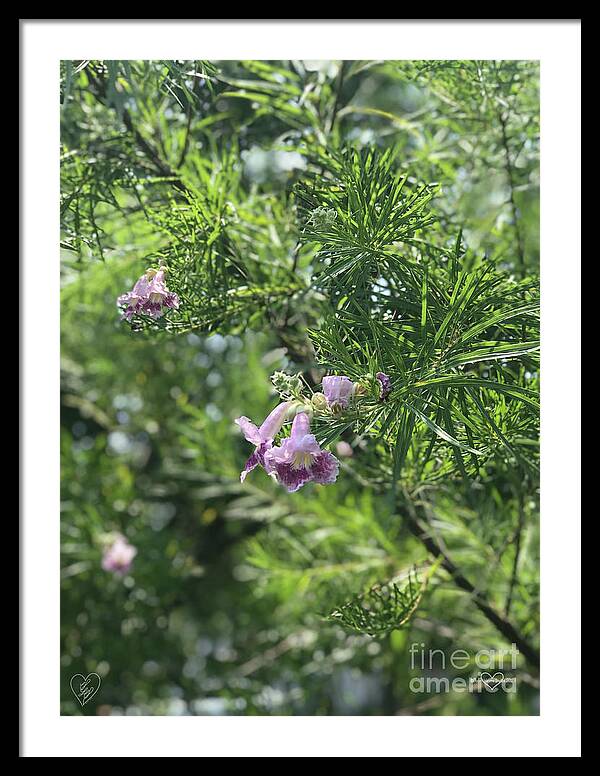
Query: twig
point(511, 183)
point(338, 93)
point(298, 639)
point(186, 142)
point(515, 568)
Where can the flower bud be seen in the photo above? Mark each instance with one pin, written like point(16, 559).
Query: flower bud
point(322, 217)
point(337, 390)
point(300, 406)
point(319, 401)
point(287, 386)
point(385, 385)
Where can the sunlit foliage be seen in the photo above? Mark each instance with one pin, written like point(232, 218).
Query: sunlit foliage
point(312, 217)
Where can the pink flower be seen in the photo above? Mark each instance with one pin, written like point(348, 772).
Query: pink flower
point(119, 556)
point(338, 390)
point(149, 296)
point(343, 449)
point(262, 437)
point(299, 459)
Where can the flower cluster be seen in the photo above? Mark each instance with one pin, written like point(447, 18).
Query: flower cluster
point(119, 556)
point(299, 459)
point(149, 296)
point(287, 386)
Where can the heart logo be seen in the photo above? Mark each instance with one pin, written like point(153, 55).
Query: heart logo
point(492, 682)
point(85, 687)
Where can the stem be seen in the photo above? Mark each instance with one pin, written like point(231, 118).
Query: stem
point(186, 142)
point(511, 183)
point(338, 92)
point(513, 578)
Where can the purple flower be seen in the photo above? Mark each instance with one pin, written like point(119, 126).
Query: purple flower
point(262, 437)
point(386, 385)
point(150, 296)
point(338, 390)
point(299, 459)
point(119, 556)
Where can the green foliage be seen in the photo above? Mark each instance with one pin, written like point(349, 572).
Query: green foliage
point(424, 320)
point(383, 608)
point(343, 218)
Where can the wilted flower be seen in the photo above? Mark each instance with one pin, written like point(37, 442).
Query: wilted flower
point(338, 390)
point(262, 437)
point(386, 385)
point(119, 556)
point(299, 459)
point(149, 296)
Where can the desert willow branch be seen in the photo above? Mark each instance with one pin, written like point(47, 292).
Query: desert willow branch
point(162, 167)
point(501, 623)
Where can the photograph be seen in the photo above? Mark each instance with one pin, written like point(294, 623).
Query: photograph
point(300, 475)
point(323, 275)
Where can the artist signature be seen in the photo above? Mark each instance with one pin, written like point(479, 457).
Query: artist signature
point(85, 687)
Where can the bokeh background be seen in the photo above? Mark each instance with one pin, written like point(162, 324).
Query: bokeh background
point(222, 612)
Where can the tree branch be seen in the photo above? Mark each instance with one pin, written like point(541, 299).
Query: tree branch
point(501, 623)
point(162, 167)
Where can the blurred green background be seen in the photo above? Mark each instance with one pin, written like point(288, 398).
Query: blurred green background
point(225, 610)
